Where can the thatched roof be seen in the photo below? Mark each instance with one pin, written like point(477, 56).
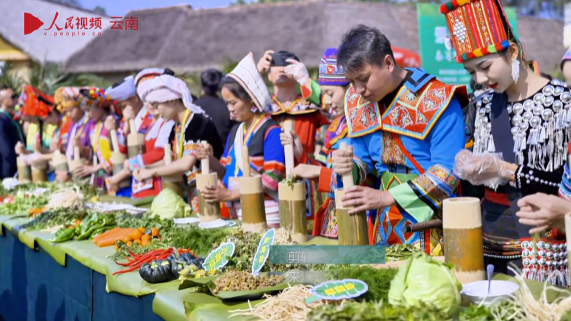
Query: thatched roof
point(36, 45)
point(191, 40)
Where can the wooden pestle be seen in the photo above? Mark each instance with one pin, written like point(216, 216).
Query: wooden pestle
point(245, 162)
point(288, 149)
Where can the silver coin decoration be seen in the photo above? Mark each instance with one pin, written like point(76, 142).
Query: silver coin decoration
point(556, 82)
point(558, 91)
point(538, 98)
point(488, 126)
point(486, 99)
point(548, 101)
point(535, 121)
point(524, 245)
point(547, 114)
point(566, 97)
point(510, 109)
point(537, 110)
point(517, 108)
point(527, 116)
point(557, 105)
point(516, 120)
point(548, 90)
point(482, 111)
point(523, 126)
point(515, 130)
point(528, 105)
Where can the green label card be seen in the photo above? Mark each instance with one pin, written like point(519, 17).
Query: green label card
point(338, 290)
point(219, 257)
point(263, 251)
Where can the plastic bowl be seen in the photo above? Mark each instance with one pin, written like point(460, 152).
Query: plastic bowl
point(477, 292)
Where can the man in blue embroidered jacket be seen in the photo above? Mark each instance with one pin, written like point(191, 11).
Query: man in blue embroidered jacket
point(405, 125)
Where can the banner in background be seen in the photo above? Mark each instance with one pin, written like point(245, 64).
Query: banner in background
point(436, 59)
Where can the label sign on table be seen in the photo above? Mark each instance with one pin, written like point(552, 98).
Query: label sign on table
point(263, 251)
point(338, 290)
point(219, 257)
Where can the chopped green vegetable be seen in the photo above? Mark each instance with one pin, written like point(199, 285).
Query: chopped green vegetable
point(378, 280)
point(369, 311)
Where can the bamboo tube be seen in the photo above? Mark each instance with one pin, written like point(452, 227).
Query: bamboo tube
point(292, 203)
point(135, 144)
point(172, 182)
point(60, 162)
point(463, 242)
point(251, 198)
point(77, 161)
point(352, 229)
point(24, 171)
point(117, 158)
point(39, 172)
point(208, 211)
point(292, 210)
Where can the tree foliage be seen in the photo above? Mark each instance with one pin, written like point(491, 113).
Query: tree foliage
point(47, 78)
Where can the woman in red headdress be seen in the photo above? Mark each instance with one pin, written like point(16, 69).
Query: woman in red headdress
point(521, 132)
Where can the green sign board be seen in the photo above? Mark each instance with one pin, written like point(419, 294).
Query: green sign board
point(263, 251)
point(219, 257)
point(435, 58)
point(338, 290)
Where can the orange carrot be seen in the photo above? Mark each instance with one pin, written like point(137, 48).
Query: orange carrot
point(106, 234)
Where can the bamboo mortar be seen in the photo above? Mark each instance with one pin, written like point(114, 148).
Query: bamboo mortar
point(135, 143)
point(24, 171)
point(117, 158)
point(292, 210)
point(208, 211)
point(39, 174)
point(292, 203)
point(60, 162)
point(463, 241)
point(251, 198)
point(172, 182)
point(352, 229)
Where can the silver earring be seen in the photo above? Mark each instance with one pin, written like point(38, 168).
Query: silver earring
point(515, 70)
point(254, 109)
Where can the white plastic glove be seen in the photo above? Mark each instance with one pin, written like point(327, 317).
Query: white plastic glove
point(297, 70)
point(485, 169)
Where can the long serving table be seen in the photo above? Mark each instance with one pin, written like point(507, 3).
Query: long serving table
point(73, 281)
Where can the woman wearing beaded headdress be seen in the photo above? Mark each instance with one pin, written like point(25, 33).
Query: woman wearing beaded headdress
point(524, 106)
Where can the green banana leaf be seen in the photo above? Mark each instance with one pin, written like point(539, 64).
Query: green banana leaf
point(197, 282)
point(169, 305)
point(246, 295)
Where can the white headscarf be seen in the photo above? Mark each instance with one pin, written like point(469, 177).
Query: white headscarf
point(247, 75)
point(166, 88)
point(124, 91)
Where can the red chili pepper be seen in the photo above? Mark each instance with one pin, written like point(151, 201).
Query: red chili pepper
point(132, 254)
point(126, 270)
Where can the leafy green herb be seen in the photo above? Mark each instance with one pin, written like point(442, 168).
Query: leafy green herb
point(55, 217)
point(399, 252)
point(200, 241)
point(378, 280)
point(369, 311)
